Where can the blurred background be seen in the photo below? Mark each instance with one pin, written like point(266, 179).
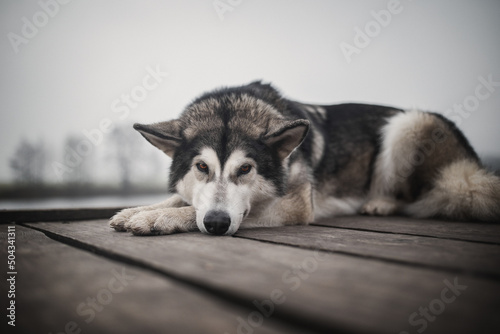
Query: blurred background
point(76, 74)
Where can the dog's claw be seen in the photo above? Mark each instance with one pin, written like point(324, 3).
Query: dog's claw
point(154, 231)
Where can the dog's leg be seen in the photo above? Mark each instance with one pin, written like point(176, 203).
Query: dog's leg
point(295, 208)
point(415, 145)
point(163, 221)
point(119, 220)
point(381, 199)
point(387, 181)
point(388, 177)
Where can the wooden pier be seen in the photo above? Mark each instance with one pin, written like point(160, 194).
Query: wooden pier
point(74, 274)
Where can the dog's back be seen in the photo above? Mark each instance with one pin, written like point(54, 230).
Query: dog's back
point(382, 160)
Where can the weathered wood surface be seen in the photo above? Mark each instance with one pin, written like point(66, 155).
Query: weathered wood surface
point(458, 256)
point(329, 291)
point(469, 231)
point(10, 216)
point(59, 286)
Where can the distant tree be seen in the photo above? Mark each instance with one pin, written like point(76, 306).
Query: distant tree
point(126, 152)
point(29, 162)
point(79, 173)
point(152, 170)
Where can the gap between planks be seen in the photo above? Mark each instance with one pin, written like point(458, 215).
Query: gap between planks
point(437, 268)
point(480, 232)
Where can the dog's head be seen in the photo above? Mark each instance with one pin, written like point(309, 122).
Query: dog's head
point(230, 150)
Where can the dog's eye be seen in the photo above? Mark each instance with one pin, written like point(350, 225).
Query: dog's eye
point(202, 167)
point(244, 169)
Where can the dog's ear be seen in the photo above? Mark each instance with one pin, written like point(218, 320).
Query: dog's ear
point(163, 135)
point(286, 136)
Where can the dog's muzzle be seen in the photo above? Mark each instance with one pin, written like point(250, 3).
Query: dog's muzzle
point(217, 222)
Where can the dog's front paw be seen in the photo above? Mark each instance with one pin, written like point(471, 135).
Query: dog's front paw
point(380, 207)
point(162, 221)
point(119, 220)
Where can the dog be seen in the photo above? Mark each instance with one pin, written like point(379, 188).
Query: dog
point(248, 157)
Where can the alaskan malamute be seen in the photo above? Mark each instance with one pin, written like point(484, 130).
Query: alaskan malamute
point(247, 157)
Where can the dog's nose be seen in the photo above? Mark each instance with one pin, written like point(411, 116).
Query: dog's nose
point(217, 222)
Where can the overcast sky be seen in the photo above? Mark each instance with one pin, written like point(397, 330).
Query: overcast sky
point(68, 71)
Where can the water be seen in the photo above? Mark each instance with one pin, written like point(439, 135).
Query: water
point(90, 202)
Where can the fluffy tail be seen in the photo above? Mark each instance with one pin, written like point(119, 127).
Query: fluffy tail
point(463, 190)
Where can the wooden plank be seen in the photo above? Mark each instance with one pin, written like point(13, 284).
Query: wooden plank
point(57, 285)
point(458, 256)
point(471, 231)
point(21, 216)
point(468, 231)
point(330, 291)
